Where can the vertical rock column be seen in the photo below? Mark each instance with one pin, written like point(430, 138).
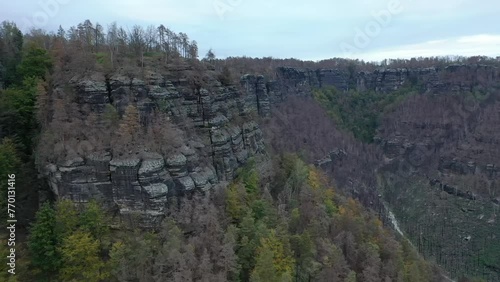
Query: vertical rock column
point(263, 103)
point(127, 192)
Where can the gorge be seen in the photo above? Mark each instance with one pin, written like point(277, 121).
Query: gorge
point(436, 151)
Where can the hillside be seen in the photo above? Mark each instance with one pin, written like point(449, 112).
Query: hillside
point(160, 166)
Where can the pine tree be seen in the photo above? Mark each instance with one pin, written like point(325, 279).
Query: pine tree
point(36, 62)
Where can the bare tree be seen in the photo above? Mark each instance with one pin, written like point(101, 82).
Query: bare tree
point(112, 41)
point(138, 42)
point(150, 38)
point(193, 50)
point(99, 37)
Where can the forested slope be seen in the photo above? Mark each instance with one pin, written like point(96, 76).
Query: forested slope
point(148, 164)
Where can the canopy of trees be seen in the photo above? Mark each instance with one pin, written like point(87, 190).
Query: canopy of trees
point(283, 221)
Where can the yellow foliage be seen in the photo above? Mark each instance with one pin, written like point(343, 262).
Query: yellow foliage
point(234, 203)
point(342, 210)
point(81, 260)
point(314, 179)
point(283, 262)
point(353, 207)
point(329, 193)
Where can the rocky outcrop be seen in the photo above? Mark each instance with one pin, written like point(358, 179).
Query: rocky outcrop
point(331, 159)
point(454, 78)
point(453, 190)
point(232, 146)
point(141, 183)
point(226, 133)
point(223, 138)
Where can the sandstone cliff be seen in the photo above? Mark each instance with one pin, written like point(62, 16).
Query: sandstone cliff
point(226, 129)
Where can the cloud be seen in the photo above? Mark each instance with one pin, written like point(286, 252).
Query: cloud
point(293, 28)
point(170, 11)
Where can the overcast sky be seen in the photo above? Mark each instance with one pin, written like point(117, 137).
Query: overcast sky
point(315, 29)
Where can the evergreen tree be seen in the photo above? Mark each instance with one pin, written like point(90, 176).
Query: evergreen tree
point(11, 44)
point(36, 62)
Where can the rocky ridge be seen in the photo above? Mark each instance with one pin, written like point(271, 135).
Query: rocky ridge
point(227, 132)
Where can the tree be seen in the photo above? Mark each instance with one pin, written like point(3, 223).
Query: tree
point(370, 263)
point(81, 259)
point(138, 42)
point(250, 234)
point(98, 37)
point(184, 42)
point(150, 38)
point(265, 269)
point(162, 36)
point(66, 218)
point(225, 77)
point(169, 253)
point(235, 202)
point(187, 263)
point(129, 126)
point(42, 103)
point(304, 251)
point(36, 62)
point(9, 160)
point(113, 42)
point(210, 56)
point(17, 114)
point(11, 44)
point(93, 220)
point(43, 241)
point(204, 271)
point(87, 34)
point(61, 33)
point(193, 50)
point(123, 40)
point(228, 260)
point(169, 48)
point(282, 260)
point(111, 117)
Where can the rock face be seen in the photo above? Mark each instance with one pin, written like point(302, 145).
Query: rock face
point(227, 135)
point(455, 78)
point(223, 137)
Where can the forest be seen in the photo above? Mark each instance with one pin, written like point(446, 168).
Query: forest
point(280, 219)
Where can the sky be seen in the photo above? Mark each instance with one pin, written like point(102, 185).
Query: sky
point(371, 30)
